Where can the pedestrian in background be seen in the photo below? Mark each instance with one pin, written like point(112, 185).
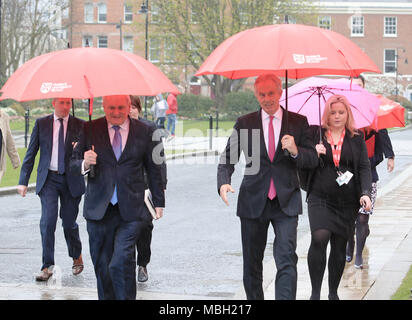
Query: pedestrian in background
point(336, 187)
point(144, 239)
point(55, 135)
point(159, 111)
point(7, 145)
point(379, 145)
point(171, 114)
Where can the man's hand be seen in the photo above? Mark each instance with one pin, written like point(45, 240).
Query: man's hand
point(224, 189)
point(288, 142)
point(90, 158)
point(22, 190)
point(365, 202)
point(159, 213)
point(391, 164)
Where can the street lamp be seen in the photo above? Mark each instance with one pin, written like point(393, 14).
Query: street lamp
point(144, 9)
point(119, 26)
point(396, 70)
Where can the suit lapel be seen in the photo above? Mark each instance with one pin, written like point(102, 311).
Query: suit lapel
point(279, 149)
point(49, 134)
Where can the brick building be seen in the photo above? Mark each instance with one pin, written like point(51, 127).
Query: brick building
point(383, 29)
point(105, 24)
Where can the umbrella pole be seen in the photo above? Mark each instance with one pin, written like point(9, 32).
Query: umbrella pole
point(285, 151)
point(73, 107)
point(320, 118)
point(92, 172)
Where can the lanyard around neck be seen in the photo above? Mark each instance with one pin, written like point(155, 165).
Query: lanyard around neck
point(336, 152)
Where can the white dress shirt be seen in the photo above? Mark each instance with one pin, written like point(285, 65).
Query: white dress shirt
point(55, 146)
point(277, 125)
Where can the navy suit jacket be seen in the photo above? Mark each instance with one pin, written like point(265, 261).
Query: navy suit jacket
point(42, 138)
point(126, 173)
point(283, 169)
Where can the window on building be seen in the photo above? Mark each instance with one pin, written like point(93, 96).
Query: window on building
point(88, 13)
point(128, 44)
point(169, 50)
point(87, 41)
point(154, 49)
point(102, 42)
point(357, 26)
point(102, 12)
point(390, 27)
point(194, 47)
point(154, 14)
point(128, 13)
point(325, 22)
point(390, 61)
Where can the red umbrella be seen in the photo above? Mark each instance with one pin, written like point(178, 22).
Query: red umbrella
point(84, 73)
point(300, 50)
point(390, 114)
point(293, 50)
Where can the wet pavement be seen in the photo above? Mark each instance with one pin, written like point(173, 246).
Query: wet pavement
point(196, 248)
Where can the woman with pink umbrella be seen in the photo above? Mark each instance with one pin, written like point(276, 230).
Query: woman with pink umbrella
point(336, 188)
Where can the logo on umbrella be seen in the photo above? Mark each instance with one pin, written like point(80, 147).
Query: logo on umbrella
point(301, 58)
point(47, 87)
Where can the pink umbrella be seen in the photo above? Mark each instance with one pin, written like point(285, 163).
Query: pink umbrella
point(308, 98)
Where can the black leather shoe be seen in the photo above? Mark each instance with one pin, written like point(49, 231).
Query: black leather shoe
point(142, 275)
point(333, 296)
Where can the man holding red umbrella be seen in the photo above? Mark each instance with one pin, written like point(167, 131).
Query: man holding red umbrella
point(114, 201)
point(271, 194)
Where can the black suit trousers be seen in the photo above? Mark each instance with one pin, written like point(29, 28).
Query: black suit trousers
point(254, 238)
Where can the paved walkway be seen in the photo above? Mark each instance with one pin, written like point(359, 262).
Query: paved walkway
point(387, 254)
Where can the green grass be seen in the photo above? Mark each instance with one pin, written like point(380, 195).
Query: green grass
point(11, 177)
point(195, 128)
point(404, 291)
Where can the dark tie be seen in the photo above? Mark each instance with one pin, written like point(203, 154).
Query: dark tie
point(117, 149)
point(271, 152)
point(60, 157)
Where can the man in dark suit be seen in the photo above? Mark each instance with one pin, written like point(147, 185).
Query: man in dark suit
point(122, 148)
point(55, 135)
point(269, 192)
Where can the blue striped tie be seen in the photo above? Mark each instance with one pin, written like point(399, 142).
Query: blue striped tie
point(117, 149)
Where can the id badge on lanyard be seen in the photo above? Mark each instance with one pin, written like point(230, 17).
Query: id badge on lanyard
point(343, 178)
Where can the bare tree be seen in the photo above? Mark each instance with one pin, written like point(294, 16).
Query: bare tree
point(26, 29)
point(198, 27)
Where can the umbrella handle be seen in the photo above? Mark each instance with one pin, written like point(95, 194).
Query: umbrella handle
point(92, 172)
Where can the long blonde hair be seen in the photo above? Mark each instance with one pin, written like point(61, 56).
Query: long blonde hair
point(350, 122)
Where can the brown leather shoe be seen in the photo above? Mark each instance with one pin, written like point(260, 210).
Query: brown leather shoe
point(78, 266)
point(44, 275)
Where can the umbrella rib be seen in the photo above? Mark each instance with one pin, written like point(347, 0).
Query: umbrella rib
point(306, 101)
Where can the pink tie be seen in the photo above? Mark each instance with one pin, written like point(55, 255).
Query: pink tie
point(271, 151)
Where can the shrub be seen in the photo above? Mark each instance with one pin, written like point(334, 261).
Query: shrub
point(193, 106)
point(237, 104)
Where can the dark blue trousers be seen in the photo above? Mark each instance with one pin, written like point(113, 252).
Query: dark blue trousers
point(254, 238)
point(56, 188)
point(112, 249)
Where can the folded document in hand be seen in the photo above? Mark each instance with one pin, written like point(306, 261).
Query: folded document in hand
point(149, 203)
